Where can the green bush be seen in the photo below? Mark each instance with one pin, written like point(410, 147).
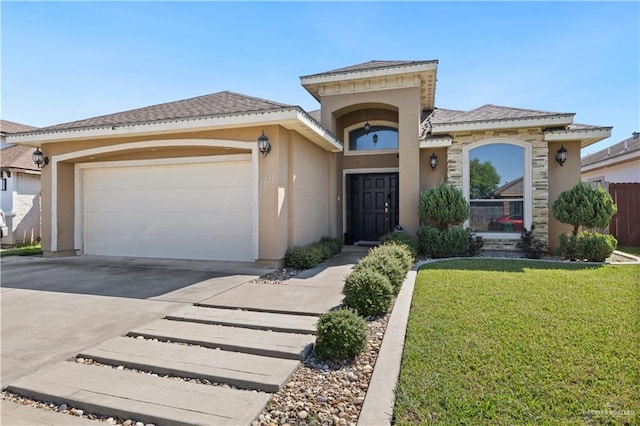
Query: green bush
point(533, 247)
point(589, 246)
point(584, 206)
point(386, 264)
point(568, 248)
point(399, 251)
point(437, 243)
point(401, 238)
point(444, 205)
point(305, 257)
point(341, 334)
point(595, 247)
point(368, 292)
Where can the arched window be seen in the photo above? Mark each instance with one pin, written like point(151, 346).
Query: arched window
point(497, 185)
point(376, 138)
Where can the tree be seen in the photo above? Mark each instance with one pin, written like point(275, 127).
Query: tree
point(483, 179)
point(444, 205)
point(583, 205)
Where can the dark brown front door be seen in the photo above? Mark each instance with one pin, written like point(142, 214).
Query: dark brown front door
point(372, 205)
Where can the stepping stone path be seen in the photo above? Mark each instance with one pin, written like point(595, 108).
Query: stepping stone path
point(255, 352)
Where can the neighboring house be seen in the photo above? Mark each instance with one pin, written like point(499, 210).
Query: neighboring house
point(20, 190)
point(617, 169)
point(187, 179)
point(619, 163)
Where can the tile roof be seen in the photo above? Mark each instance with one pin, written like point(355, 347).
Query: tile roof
point(371, 65)
point(7, 126)
point(315, 114)
point(219, 103)
point(616, 150)
point(17, 157)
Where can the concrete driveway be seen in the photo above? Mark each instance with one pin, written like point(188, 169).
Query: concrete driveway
point(53, 308)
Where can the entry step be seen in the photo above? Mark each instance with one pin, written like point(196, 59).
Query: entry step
point(143, 397)
point(300, 324)
point(239, 369)
point(257, 342)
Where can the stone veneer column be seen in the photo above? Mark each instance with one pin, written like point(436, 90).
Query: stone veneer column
point(539, 174)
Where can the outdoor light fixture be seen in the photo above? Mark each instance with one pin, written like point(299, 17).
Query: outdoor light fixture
point(39, 159)
point(367, 126)
point(263, 144)
point(375, 138)
point(561, 155)
point(433, 161)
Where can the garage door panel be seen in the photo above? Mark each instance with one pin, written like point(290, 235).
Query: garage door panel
point(204, 213)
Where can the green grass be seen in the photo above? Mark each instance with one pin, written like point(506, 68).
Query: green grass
point(23, 250)
point(634, 250)
point(495, 342)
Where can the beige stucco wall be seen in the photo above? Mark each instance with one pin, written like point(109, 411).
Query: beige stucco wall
point(278, 186)
point(618, 173)
point(338, 113)
point(561, 178)
point(431, 177)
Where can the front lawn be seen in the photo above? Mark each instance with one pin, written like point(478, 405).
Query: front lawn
point(499, 342)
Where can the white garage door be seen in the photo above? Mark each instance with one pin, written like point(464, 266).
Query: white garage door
point(185, 211)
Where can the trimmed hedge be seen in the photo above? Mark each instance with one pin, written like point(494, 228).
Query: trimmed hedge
point(589, 246)
point(399, 251)
point(403, 239)
point(310, 255)
point(437, 243)
point(368, 292)
point(341, 334)
point(386, 264)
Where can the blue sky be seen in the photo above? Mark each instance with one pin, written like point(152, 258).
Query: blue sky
point(64, 61)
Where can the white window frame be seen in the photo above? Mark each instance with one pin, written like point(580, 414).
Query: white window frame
point(526, 184)
point(360, 125)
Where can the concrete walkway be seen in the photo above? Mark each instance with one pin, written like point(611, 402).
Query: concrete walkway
point(249, 336)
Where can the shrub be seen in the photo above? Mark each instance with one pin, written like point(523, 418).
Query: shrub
point(305, 257)
point(568, 248)
point(341, 334)
point(532, 247)
point(368, 292)
point(595, 247)
point(444, 205)
point(476, 242)
point(438, 243)
point(401, 238)
point(386, 264)
point(399, 251)
point(583, 205)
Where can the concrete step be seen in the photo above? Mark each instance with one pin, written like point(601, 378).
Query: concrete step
point(257, 342)
point(142, 397)
point(14, 414)
point(300, 324)
point(242, 370)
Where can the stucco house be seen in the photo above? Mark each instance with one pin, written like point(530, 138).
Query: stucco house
point(20, 188)
point(232, 177)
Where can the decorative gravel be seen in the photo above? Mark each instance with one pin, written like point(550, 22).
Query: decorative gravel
point(326, 393)
point(278, 277)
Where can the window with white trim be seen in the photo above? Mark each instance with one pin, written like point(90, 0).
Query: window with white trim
point(497, 185)
point(377, 137)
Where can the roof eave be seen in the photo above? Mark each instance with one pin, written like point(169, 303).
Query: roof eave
point(369, 73)
point(612, 161)
point(481, 125)
point(586, 136)
point(291, 118)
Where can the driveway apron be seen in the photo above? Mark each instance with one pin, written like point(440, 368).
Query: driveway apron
point(236, 342)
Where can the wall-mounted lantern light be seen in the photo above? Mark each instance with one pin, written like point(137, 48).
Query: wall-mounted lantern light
point(263, 144)
point(39, 158)
point(433, 161)
point(561, 155)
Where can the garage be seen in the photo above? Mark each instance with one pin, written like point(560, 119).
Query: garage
point(197, 210)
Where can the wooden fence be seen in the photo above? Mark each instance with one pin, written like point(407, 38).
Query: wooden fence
point(625, 224)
